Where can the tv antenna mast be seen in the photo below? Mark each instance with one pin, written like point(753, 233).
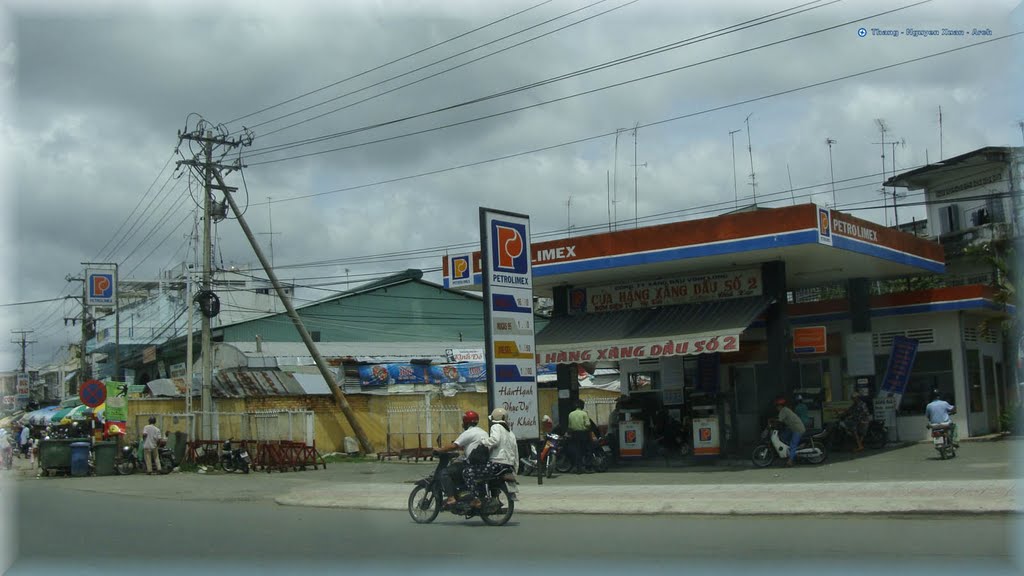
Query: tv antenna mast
point(750, 150)
point(831, 172)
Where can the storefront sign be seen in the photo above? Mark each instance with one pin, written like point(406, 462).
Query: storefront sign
point(465, 354)
point(22, 385)
point(117, 402)
point(824, 226)
point(101, 288)
point(809, 340)
point(177, 369)
point(683, 346)
point(885, 411)
point(705, 436)
point(148, 354)
point(631, 439)
point(667, 292)
point(851, 230)
point(901, 363)
point(461, 270)
point(508, 318)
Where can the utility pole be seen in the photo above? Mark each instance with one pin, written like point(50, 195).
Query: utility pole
point(831, 173)
point(23, 341)
point(212, 172)
point(735, 187)
point(82, 364)
point(339, 396)
point(750, 149)
point(896, 217)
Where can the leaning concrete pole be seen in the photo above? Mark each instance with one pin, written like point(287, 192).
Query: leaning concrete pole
point(339, 396)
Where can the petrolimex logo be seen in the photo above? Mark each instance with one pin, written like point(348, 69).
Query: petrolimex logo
point(508, 250)
point(824, 226)
point(461, 270)
point(100, 288)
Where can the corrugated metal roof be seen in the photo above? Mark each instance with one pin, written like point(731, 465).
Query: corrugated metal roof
point(664, 322)
point(169, 387)
point(296, 354)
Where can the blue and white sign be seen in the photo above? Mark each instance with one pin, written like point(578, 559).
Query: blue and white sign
point(901, 364)
point(824, 225)
point(100, 288)
point(508, 316)
point(461, 270)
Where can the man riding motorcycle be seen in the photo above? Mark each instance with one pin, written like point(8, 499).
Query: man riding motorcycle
point(504, 455)
point(471, 436)
point(939, 412)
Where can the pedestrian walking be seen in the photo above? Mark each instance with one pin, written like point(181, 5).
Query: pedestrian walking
point(151, 436)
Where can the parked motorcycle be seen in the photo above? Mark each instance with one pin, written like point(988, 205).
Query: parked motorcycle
point(127, 463)
point(811, 448)
point(548, 454)
point(838, 435)
point(166, 455)
point(232, 459)
point(597, 458)
point(942, 439)
point(426, 498)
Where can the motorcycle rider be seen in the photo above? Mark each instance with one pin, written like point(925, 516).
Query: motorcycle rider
point(855, 420)
point(504, 455)
point(794, 428)
point(938, 412)
point(470, 437)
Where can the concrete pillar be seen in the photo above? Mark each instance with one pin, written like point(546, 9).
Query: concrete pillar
point(859, 293)
point(568, 377)
point(779, 336)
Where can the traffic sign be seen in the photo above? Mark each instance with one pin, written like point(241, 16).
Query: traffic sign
point(93, 393)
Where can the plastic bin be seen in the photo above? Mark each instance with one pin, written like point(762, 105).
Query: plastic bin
point(55, 454)
point(105, 453)
point(79, 458)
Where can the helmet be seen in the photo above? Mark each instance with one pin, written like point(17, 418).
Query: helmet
point(546, 419)
point(498, 415)
point(114, 430)
point(470, 418)
point(780, 401)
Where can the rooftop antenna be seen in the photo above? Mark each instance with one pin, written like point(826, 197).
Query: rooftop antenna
point(735, 187)
point(1020, 124)
point(903, 144)
point(940, 135)
point(750, 150)
point(568, 217)
point(883, 128)
point(790, 184)
point(636, 188)
point(831, 172)
point(270, 217)
point(608, 183)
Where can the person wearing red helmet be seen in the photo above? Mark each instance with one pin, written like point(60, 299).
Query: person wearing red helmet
point(794, 428)
point(471, 436)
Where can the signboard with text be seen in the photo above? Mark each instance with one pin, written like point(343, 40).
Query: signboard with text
point(654, 348)
point(897, 371)
point(461, 273)
point(117, 402)
point(508, 318)
point(667, 292)
point(100, 288)
point(809, 340)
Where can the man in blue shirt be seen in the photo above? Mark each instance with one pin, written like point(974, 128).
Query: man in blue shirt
point(939, 411)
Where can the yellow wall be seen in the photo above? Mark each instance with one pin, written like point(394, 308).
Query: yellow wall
point(330, 425)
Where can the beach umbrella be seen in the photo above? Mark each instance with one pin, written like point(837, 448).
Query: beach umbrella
point(59, 415)
point(42, 417)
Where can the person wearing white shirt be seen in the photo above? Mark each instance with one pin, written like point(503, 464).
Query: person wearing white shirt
point(470, 438)
point(504, 455)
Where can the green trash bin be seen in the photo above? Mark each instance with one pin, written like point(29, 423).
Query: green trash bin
point(55, 454)
point(105, 453)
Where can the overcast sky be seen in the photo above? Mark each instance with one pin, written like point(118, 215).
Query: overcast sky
point(93, 98)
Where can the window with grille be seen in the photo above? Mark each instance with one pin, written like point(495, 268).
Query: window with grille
point(922, 335)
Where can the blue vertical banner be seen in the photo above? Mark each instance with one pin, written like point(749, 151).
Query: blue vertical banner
point(901, 363)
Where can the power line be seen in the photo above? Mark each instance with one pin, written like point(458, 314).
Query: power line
point(395, 61)
point(57, 299)
point(761, 20)
point(434, 64)
point(655, 123)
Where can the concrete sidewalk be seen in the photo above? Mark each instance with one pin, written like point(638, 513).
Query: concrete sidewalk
point(935, 497)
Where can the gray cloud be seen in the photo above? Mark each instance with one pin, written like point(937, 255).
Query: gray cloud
point(98, 94)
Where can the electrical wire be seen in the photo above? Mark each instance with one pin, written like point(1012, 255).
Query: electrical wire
point(395, 61)
point(759, 21)
point(436, 62)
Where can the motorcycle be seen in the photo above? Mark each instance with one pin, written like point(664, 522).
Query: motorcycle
point(166, 456)
point(426, 498)
point(549, 454)
point(597, 458)
point(838, 435)
point(942, 439)
point(811, 448)
point(234, 459)
point(127, 463)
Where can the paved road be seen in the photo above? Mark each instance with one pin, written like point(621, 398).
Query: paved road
point(63, 530)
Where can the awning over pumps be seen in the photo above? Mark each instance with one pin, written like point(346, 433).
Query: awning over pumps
point(682, 330)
